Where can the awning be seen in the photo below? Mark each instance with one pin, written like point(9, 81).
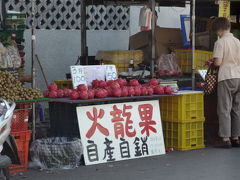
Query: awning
point(179, 3)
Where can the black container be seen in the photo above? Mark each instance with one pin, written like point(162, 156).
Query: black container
point(211, 124)
point(63, 119)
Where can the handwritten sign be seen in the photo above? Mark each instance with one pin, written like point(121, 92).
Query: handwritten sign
point(111, 72)
point(86, 74)
point(78, 75)
point(224, 9)
point(114, 132)
point(94, 72)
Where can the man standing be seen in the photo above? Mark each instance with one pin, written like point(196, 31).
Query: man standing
point(227, 56)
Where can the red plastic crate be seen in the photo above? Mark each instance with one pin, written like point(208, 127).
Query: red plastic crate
point(22, 141)
point(20, 120)
point(23, 106)
point(20, 117)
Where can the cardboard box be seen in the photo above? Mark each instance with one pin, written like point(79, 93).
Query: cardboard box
point(203, 24)
point(206, 40)
point(167, 39)
point(203, 40)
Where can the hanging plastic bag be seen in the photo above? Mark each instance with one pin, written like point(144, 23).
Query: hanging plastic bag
point(56, 153)
point(13, 54)
point(145, 18)
point(9, 57)
point(3, 53)
point(167, 65)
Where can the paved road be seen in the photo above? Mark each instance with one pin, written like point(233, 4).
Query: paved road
point(205, 164)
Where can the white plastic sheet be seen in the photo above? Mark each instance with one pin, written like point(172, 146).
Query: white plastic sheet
point(56, 153)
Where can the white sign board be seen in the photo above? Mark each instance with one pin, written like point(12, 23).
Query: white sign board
point(78, 75)
point(121, 131)
point(86, 74)
point(94, 72)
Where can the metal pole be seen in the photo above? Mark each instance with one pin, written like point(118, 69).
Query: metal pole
point(43, 73)
point(193, 44)
point(153, 43)
point(33, 52)
point(84, 52)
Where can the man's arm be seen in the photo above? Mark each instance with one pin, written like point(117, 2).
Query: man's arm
point(218, 53)
point(217, 61)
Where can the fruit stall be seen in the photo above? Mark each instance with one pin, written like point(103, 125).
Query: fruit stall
point(180, 113)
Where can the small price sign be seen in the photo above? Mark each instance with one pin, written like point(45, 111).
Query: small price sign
point(78, 75)
point(111, 72)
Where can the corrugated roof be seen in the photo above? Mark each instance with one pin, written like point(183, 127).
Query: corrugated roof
point(137, 2)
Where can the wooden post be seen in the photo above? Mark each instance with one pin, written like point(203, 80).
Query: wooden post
point(84, 50)
point(153, 43)
point(33, 73)
point(193, 4)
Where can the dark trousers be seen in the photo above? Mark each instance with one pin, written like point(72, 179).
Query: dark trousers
point(229, 108)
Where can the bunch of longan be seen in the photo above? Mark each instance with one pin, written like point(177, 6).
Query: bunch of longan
point(11, 89)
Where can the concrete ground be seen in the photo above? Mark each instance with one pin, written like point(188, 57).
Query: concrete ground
point(204, 164)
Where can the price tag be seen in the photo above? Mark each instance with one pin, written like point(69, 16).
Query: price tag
point(78, 75)
point(202, 73)
point(111, 72)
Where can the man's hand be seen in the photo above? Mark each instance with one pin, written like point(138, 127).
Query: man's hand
point(209, 62)
point(217, 61)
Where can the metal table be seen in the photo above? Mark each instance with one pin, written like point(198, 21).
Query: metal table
point(108, 99)
point(63, 116)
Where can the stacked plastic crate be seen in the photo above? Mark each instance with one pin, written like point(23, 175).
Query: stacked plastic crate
point(183, 120)
point(19, 130)
point(61, 84)
point(184, 58)
point(120, 59)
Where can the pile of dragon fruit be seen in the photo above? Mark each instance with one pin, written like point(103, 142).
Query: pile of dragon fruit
point(112, 88)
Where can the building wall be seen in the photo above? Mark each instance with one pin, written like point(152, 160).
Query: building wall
point(58, 49)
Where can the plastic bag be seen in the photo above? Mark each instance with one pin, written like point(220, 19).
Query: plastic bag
point(145, 19)
point(14, 56)
point(3, 52)
point(56, 153)
point(167, 65)
point(9, 57)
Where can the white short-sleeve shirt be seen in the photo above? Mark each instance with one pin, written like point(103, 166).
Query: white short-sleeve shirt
point(227, 48)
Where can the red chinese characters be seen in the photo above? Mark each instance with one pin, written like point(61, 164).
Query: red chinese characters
point(130, 131)
point(118, 120)
point(147, 124)
point(94, 117)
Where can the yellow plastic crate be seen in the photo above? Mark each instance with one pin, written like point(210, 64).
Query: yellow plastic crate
point(121, 67)
point(120, 59)
point(184, 136)
point(184, 58)
point(188, 107)
point(64, 84)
